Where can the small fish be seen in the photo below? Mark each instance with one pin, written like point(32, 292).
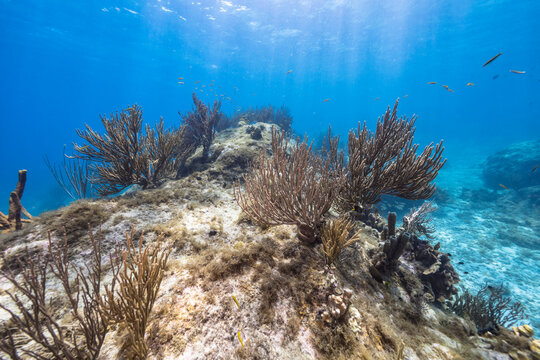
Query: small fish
point(461, 263)
point(495, 76)
point(180, 82)
point(240, 338)
point(288, 72)
point(229, 98)
point(210, 84)
point(236, 301)
point(517, 72)
point(447, 88)
point(465, 272)
point(470, 84)
point(493, 58)
point(432, 83)
point(387, 283)
point(534, 168)
point(203, 85)
point(180, 78)
point(198, 81)
point(376, 99)
point(254, 94)
point(326, 100)
point(504, 187)
point(404, 96)
point(235, 88)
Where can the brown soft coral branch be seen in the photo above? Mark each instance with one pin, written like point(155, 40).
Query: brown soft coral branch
point(290, 188)
point(124, 155)
point(138, 281)
point(201, 124)
point(386, 163)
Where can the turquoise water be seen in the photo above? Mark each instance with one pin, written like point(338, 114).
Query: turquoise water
point(65, 62)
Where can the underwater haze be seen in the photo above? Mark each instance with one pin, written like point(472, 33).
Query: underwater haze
point(330, 62)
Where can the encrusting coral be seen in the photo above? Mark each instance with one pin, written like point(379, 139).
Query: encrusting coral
point(13, 221)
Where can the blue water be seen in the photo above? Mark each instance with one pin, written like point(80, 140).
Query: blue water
point(63, 63)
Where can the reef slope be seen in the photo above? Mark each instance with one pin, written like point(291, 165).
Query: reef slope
point(281, 286)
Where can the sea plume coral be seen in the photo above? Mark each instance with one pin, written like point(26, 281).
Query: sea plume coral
point(31, 312)
point(386, 163)
point(336, 235)
point(201, 123)
point(489, 308)
point(296, 188)
point(125, 155)
point(138, 283)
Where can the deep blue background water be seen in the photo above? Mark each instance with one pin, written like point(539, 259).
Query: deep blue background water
point(63, 63)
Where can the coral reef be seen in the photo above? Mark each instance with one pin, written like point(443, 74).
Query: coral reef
point(13, 221)
point(515, 167)
point(290, 303)
point(264, 114)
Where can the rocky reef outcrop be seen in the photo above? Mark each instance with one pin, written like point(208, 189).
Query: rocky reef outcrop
point(288, 303)
point(515, 167)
